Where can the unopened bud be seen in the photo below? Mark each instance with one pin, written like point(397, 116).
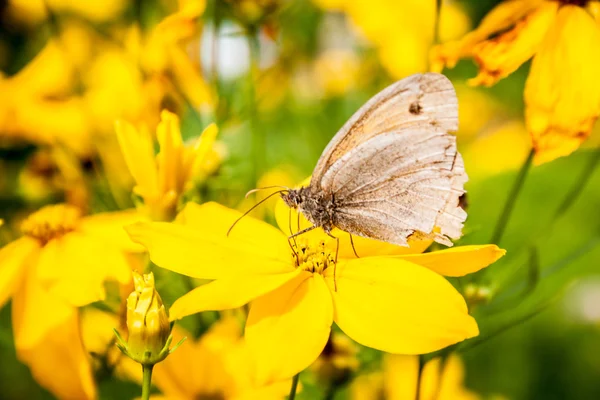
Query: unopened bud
point(147, 324)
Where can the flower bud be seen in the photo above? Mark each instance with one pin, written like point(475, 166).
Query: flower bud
point(147, 322)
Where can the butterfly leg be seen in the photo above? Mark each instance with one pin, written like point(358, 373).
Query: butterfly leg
point(353, 248)
point(293, 237)
point(337, 250)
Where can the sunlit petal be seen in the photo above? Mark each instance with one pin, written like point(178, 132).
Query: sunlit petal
point(457, 261)
point(70, 376)
point(288, 328)
point(14, 260)
point(411, 310)
point(201, 248)
point(444, 380)
point(76, 268)
point(36, 312)
point(110, 228)
point(400, 376)
point(562, 92)
point(137, 148)
point(228, 293)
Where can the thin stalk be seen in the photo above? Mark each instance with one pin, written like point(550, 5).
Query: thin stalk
point(512, 198)
point(258, 140)
point(582, 182)
point(147, 381)
point(294, 387)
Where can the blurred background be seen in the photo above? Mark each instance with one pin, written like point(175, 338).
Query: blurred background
point(279, 78)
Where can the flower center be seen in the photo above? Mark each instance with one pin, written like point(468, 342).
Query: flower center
point(312, 256)
point(51, 222)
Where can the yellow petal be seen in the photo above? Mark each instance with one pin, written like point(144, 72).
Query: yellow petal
point(201, 150)
point(138, 151)
point(110, 228)
point(291, 221)
point(70, 376)
point(457, 261)
point(201, 248)
point(444, 381)
point(170, 157)
point(506, 16)
point(288, 328)
point(398, 307)
point(401, 374)
point(75, 267)
point(36, 312)
point(227, 293)
point(499, 57)
point(562, 92)
point(15, 258)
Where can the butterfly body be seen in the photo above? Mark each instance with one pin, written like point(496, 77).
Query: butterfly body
point(318, 208)
point(393, 170)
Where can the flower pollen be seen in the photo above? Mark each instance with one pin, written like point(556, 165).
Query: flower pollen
point(51, 222)
point(311, 255)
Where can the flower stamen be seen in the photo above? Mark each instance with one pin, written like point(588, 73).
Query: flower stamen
point(312, 256)
point(51, 222)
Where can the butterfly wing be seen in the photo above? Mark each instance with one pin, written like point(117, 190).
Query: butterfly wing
point(393, 169)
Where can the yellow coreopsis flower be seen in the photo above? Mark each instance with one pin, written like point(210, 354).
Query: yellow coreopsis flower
point(398, 304)
point(399, 380)
point(562, 92)
point(162, 179)
point(217, 365)
point(61, 263)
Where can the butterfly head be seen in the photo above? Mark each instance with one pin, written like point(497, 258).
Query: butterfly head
point(292, 198)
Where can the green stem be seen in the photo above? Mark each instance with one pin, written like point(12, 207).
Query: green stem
point(258, 142)
point(512, 198)
point(582, 182)
point(147, 381)
point(292, 395)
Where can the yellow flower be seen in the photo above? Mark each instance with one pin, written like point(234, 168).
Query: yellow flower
point(61, 262)
point(162, 179)
point(148, 327)
point(562, 92)
point(337, 362)
point(216, 366)
point(398, 304)
point(34, 11)
point(400, 378)
point(401, 30)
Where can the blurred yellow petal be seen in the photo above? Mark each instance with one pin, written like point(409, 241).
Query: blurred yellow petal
point(288, 328)
point(400, 376)
point(15, 259)
point(36, 312)
point(76, 268)
point(562, 93)
point(110, 228)
point(203, 147)
point(171, 153)
point(201, 248)
point(506, 19)
point(60, 364)
point(291, 221)
point(138, 150)
point(499, 57)
point(411, 310)
point(228, 293)
point(457, 261)
point(444, 381)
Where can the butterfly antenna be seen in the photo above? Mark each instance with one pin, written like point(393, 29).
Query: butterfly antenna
point(284, 188)
point(253, 207)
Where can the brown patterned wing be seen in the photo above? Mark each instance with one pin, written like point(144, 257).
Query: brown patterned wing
point(418, 100)
point(395, 170)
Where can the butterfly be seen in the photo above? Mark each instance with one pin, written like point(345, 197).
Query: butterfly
point(393, 171)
